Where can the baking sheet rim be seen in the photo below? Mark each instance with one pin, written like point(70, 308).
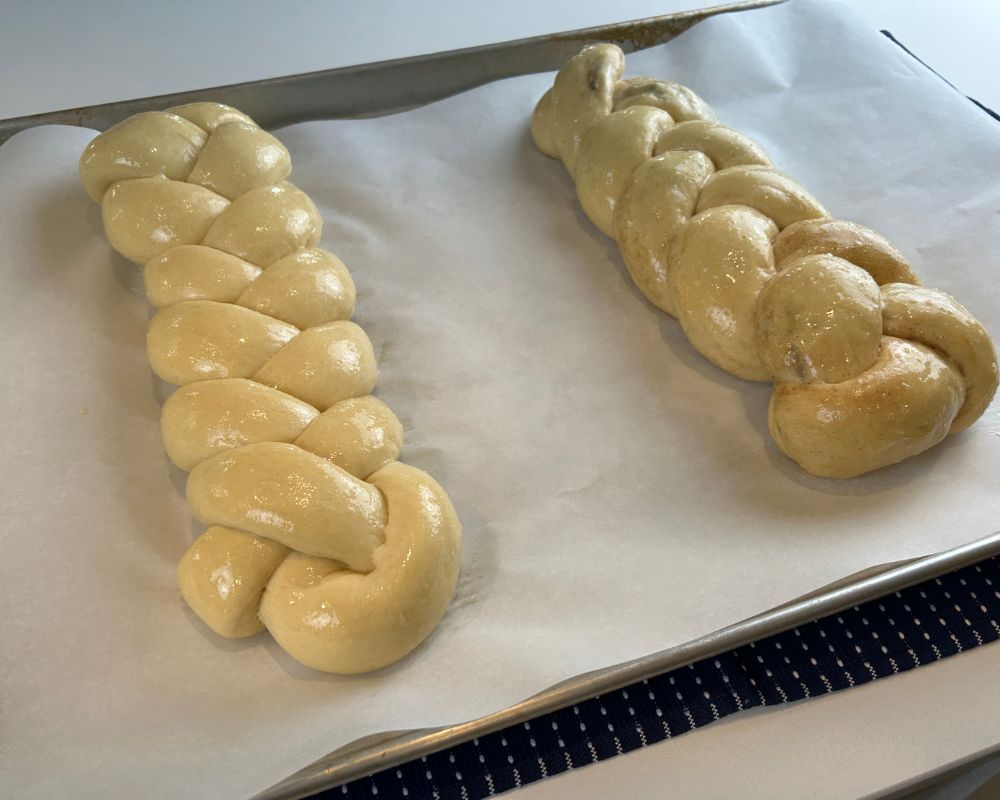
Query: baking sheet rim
point(383, 751)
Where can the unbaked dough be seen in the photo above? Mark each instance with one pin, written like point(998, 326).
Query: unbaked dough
point(314, 530)
point(869, 367)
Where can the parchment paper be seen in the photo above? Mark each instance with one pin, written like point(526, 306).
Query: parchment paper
point(619, 494)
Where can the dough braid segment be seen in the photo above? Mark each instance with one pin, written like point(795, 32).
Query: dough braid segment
point(869, 367)
point(315, 531)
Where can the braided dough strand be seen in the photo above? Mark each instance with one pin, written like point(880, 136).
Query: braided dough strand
point(869, 367)
point(347, 556)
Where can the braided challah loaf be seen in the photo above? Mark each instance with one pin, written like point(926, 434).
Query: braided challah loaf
point(870, 368)
point(347, 556)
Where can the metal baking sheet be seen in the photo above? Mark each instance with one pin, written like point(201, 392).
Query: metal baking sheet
point(387, 87)
point(392, 86)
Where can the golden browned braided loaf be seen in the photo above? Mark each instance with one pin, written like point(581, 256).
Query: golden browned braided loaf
point(347, 556)
point(869, 367)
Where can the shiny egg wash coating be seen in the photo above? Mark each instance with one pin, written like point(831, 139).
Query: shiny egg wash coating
point(348, 557)
point(869, 366)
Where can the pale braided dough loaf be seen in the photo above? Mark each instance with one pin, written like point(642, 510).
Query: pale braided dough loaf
point(870, 368)
point(348, 557)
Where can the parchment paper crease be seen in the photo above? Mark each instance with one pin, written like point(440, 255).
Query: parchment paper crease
point(619, 494)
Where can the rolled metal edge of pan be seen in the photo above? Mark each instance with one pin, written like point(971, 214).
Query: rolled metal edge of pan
point(382, 751)
point(386, 87)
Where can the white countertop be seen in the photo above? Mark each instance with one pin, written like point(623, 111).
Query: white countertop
point(58, 54)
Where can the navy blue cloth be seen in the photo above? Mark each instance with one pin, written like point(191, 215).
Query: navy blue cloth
point(893, 634)
point(927, 622)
